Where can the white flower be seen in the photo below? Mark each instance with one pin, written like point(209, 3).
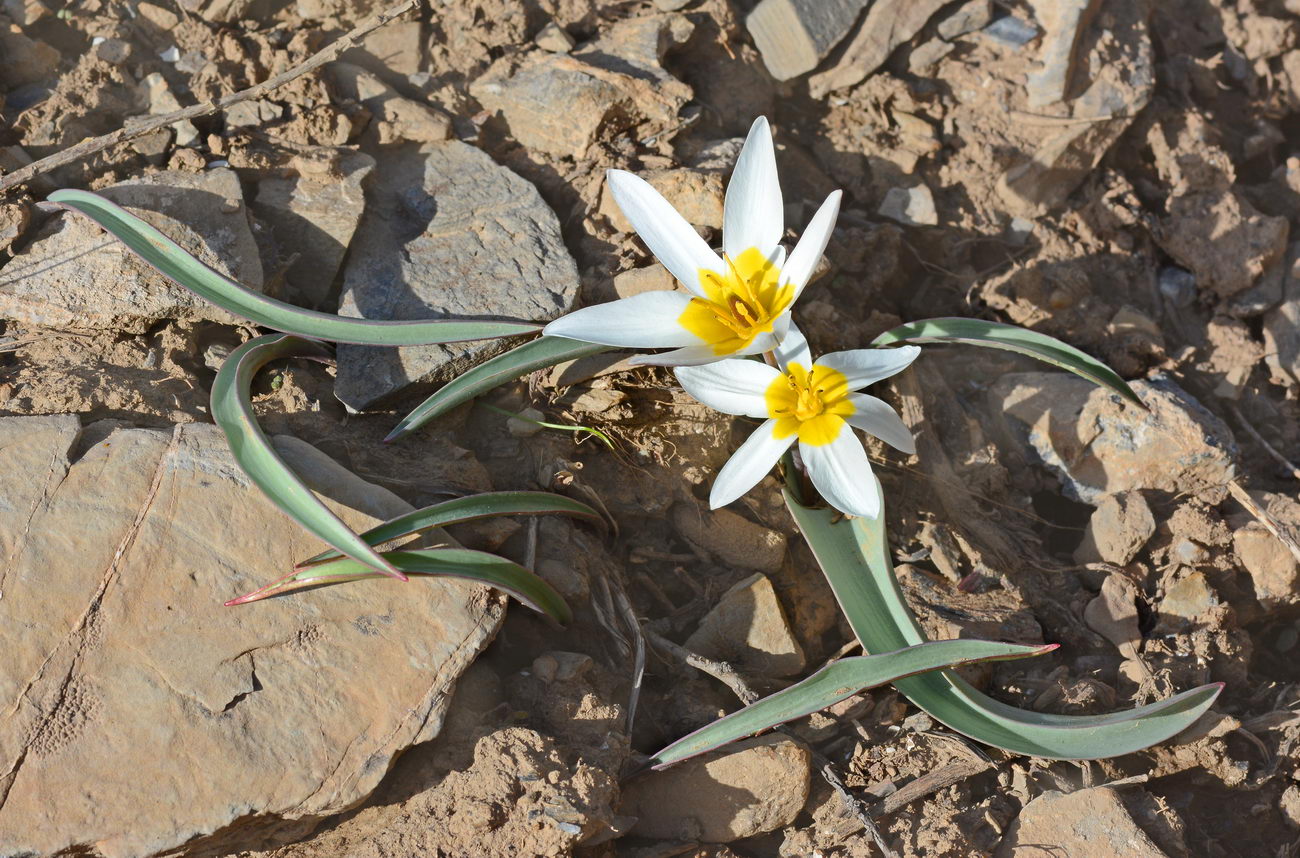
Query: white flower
point(814, 403)
point(739, 303)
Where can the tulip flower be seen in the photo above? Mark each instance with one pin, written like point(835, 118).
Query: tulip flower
point(814, 403)
point(735, 304)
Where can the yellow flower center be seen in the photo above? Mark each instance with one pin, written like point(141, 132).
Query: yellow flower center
point(742, 302)
point(812, 403)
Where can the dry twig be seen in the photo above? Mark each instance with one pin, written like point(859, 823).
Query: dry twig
point(1280, 531)
point(98, 144)
point(1268, 448)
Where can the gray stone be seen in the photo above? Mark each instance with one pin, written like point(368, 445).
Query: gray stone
point(748, 628)
point(1092, 823)
point(561, 104)
point(913, 206)
point(968, 18)
point(553, 103)
point(14, 218)
point(1120, 89)
point(1222, 239)
point(635, 48)
point(61, 279)
point(1273, 569)
point(1282, 324)
point(114, 51)
point(1178, 285)
point(313, 212)
point(926, 56)
point(139, 714)
point(1065, 22)
point(251, 114)
point(1118, 529)
point(1098, 444)
point(554, 38)
point(888, 24)
point(396, 118)
point(447, 232)
point(749, 787)
point(162, 101)
point(219, 11)
point(26, 12)
point(26, 60)
point(697, 195)
point(1012, 31)
point(794, 36)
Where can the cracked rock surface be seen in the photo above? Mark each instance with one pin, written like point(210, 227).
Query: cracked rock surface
point(139, 715)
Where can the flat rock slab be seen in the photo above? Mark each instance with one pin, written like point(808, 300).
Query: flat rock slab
point(1098, 445)
point(1091, 823)
point(563, 104)
point(750, 787)
point(313, 210)
point(141, 716)
point(795, 35)
point(447, 232)
point(74, 276)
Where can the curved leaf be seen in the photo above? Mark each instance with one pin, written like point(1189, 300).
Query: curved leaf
point(232, 409)
point(835, 682)
point(176, 264)
point(1012, 338)
point(454, 511)
point(478, 566)
point(854, 554)
point(533, 355)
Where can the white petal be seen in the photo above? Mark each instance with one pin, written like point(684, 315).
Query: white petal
point(781, 326)
point(730, 386)
point(867, 366)
point(794, 349)
point(688, 356)
point(752, 214)
point(812, 244)
point(842, 474)
point(645, 321)
point(760, 344)
point(670, 238)
point(876, 417)
point(748, 465)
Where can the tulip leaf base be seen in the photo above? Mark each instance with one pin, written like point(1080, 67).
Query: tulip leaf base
point(356, 556)
point(232, 409)
point(854, 555)
point(477, 566)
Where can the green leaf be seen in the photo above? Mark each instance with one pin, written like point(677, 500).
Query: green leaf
point(533, 355)
point(1012, 338)
point(835, 682)
point(232, 409)
point(478, 566)
point(173, 262)
point(854, 554)
point(455, 511)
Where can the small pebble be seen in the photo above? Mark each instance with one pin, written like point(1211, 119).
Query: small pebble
point(1178, 285)
point(1013, 31)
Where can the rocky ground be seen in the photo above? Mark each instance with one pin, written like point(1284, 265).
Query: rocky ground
point(1122, 175)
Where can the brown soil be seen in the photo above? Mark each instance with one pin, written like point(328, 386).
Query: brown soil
point(1203, 179)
